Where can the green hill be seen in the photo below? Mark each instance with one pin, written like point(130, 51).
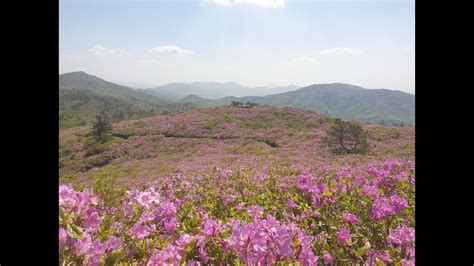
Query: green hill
point(345, 101)
point(83, 96)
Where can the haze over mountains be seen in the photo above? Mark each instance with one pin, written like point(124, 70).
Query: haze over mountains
point(92, 94)
point(213, 90)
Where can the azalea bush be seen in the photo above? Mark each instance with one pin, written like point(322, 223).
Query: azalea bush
point(351, 214)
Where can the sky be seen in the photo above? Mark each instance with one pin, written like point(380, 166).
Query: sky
point(147, 43)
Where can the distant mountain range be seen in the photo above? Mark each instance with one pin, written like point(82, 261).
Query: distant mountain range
point(92, 94)
point(213, 90)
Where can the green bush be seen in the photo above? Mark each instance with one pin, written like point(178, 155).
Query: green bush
point(397, 134)
point(228, 119)
point(212, 125)
point(92, 147)
point(107, 188)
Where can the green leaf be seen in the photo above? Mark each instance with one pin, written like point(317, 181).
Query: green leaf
point(75, 231)
point(361, 252)
point(110, 260)
point(191, 245)
point(66, 219)
point(378, 262)
point(61, 212)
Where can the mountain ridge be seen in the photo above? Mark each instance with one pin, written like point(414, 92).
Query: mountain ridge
point(346, 101)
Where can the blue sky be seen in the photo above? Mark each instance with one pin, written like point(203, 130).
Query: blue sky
point(252, 42)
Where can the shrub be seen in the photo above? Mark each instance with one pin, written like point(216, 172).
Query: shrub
point(108, 189)
point(212, 125)
point(397, 134)
point(92, 147)
point(228, 119)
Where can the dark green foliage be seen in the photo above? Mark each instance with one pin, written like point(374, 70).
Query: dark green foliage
point(92, 147)
point(271, 143)
point(346, 138)
point(102, 128)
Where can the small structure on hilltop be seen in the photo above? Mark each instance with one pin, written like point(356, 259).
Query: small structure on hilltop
point(243, 105)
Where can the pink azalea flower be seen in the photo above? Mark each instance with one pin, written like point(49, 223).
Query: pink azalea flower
point(255, 211)
point(83, 245)
point(211, 228)
point(113, 244)
point(344, 237)
point(239, 207)
point(171, 225)
point(290, 204)
point(328, 258)
point(398, 203)
point(403, 236)
point(62, 237)
point(350, 218)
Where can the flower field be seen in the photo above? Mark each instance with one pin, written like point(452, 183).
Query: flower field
point(223, 137)
point(234, 186)
point(359, 214)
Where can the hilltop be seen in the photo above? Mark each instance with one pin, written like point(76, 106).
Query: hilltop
point(83, 96)
point(222, 137)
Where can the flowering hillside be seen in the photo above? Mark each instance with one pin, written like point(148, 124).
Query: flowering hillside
point(224, 137)
point(344, 215)
point(235, 186)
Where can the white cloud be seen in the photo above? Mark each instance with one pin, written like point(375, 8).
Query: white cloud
point(100, 51)
point(339, 51)
point(146, 61)
point(217, 2)
point(259, 3)
point(301, 60)
point(169, 50)
point(263, 3)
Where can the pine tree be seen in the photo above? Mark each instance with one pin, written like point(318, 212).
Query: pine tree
point(101, 128)
point(346, 138)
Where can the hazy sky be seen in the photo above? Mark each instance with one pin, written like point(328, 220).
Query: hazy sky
point(252, 42)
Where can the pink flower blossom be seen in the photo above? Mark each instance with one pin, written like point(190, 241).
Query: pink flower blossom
point(171, 225)
point(398, 203)
point(290, 204)
point(62, 237)
point(255, 211)
point(350, 218)
point(328, 258)
point(211, 228)
point(344, 237)
point(403, 236)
